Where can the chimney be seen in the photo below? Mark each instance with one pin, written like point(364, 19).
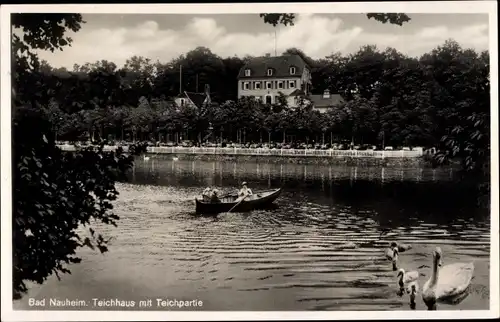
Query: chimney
point(326, 93)
point(268, 54)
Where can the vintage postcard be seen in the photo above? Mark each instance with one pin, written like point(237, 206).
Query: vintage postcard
point(249, 161)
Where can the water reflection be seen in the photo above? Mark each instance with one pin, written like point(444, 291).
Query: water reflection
point(222, 171)
point(321, 249)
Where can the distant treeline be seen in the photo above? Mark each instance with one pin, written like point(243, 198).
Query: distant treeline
point(439, 99)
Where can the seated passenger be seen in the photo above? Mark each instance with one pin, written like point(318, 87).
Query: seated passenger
point(214, 198)
point(206, 194)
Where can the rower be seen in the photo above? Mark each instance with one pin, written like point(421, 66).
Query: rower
point(244, 192)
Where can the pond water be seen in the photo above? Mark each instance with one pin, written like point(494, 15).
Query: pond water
point(322, 248)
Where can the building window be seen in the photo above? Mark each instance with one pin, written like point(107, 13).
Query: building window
point(247, 72)
point(292, 70)
point(269, 99)
point(269, 72)
point(269, 85)
point(280, 85)
point(257, 85)
point(246, 85)
point(292, 84)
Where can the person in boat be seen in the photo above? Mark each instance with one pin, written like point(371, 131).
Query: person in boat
point(207, 194)
point(244, 192)
point(214, 198)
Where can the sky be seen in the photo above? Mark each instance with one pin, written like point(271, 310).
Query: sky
point(162, 37)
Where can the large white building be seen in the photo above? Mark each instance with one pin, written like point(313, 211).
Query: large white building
point(265, 77)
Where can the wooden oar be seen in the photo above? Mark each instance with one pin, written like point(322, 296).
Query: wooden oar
point(237, 203)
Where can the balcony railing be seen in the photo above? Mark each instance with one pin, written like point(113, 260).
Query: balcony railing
point(273, 152)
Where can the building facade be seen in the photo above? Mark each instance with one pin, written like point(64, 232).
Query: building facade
point(266, 77)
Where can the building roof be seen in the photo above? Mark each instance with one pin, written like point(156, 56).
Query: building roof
point(297, 92)
point(319, 101)
point(280, 64)
point(196, 98)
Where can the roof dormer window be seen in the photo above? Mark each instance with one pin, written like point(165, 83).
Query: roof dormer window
point(292, 70)
point(247, 72)
point(269, 72)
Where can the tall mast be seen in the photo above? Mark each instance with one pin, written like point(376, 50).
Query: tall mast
point(180, 80)
point(275, 40)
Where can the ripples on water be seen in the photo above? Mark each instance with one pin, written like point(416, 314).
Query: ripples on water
point(322, 249)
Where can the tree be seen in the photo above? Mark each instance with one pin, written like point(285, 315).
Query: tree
point(232, 66)
point(270, 123)
point(361, 73)
point(392, 18)
point(461, 79)
point(288, 18)
point(65, 191)
point(328, 73)
point(278, 18)
point(361, 114)
point(140, 74)
point(403, 99)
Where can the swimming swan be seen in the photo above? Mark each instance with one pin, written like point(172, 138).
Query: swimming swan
point(405, 279)
point(395, 258)
point(401, 247)
point(389, 252)
point(413, 290)
point(145, 158)
point(446, 282)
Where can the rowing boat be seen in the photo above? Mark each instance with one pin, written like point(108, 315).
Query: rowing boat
point(258, 200)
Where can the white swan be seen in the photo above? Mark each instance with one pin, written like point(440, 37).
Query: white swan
point(401, 247)
point(395, 258)
point(145, 158)
point(349, 245)
point(389, 253)
point(175, 158)
point(412, 290)
point(405, 279)
point(446, 282)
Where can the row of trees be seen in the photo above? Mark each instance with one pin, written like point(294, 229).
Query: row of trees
point(389, 97)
